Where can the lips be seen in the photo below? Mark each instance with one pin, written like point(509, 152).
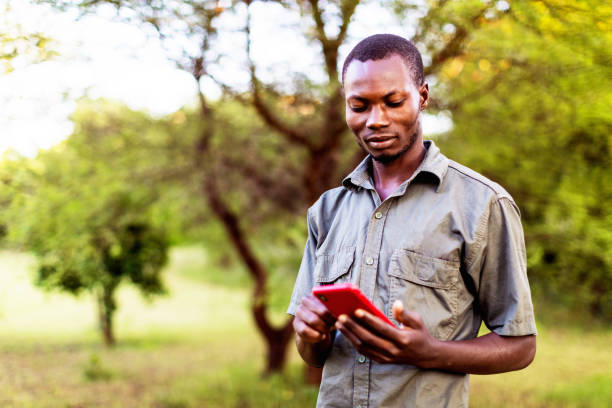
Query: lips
point(380, 141)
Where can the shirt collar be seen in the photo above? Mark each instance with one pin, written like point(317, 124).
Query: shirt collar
point(434, 163)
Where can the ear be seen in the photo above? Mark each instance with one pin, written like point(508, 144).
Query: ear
point(424, 93)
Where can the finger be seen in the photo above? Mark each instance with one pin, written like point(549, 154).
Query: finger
point(316, 306)
point(363, 348)
point(397, 309)
point(355, 341)
point(307, 333)
point(374, 354)
point(311, 319)
point(364, 335)
point(376, 324)
point(313, 304)
point(410, 319)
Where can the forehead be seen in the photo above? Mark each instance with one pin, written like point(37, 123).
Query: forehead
point(374, 76)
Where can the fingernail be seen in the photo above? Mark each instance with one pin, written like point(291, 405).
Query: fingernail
point(359, 313)
point(342, 318)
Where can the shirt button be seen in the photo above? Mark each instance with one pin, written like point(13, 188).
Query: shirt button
point(369, 260)
point(378, 215)
point(361, 358)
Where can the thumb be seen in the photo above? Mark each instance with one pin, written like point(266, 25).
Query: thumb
point(409, 319)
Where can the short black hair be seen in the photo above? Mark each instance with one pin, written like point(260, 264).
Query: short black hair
point(380, 46)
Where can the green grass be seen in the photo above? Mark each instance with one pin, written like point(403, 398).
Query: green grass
point(591, 392)
point(241, 386)
point(566, 359)
point(197, 347)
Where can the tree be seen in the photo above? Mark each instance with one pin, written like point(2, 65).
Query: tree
point(90, 229)
point(530, 99)
point(304, 115)
point(19, 46)
point(483, 59)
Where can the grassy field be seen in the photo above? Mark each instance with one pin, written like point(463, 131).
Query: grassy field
point(197, 348)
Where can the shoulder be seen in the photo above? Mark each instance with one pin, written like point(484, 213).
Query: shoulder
point(475, 192)
point(329, 202)
point(331, 208)
point(460, 176)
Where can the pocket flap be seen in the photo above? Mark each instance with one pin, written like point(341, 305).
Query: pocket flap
point(330, 267)
point(424, 270)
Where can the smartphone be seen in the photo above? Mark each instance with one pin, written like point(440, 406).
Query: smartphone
point(345, 298)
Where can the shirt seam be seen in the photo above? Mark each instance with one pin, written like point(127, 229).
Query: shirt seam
point(480, 230)
point(498, 194)
point(480, 233)
point(480, 236)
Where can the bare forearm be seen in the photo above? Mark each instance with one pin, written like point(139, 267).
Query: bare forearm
point(488, 354)
point(314, 354)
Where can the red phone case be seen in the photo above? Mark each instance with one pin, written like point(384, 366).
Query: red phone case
point(345, 298)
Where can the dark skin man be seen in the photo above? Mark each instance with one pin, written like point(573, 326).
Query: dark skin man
point(383, 109)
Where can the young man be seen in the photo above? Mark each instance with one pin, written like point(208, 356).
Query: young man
point(436, 246)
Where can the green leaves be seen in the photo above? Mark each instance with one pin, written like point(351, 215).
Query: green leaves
point(530, 101)
point(76, 207)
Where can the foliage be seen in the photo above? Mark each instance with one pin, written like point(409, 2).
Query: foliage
point(89, 226)
point(238, 386)
point(592, 392)
point(530, 100)
point(308, 150)
point(94, 370)
point(20, 46)
point(513, 77)
point(214, 363)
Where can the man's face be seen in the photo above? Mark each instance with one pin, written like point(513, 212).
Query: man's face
point(383, 106)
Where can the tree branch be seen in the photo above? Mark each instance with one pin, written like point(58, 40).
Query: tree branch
point(330, 46)
point(334, 125)
point(347, 7)
point(288, 132)
point(263, 110)
point(231, 223)
point(454, 46)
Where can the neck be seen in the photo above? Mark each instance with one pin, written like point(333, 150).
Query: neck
point(389, 176)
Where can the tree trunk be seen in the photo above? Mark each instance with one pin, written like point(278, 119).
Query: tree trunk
point(106, 311)
point(277, 342)
point(320, 173)
point(277, 339)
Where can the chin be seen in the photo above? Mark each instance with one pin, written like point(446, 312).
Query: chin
point(386, 157)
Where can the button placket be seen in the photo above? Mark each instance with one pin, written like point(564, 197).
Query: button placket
point(367, 282)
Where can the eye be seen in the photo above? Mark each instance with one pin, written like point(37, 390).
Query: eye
point(358, 108)
point(395, 104)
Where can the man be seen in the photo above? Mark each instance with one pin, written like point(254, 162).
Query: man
point(436, 246)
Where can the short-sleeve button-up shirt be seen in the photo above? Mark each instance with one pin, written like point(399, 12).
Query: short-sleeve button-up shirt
point(448, 243)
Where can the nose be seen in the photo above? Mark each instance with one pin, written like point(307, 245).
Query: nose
point(377, 118)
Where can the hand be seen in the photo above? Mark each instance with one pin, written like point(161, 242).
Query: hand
point(410, 343)
point(313, 322)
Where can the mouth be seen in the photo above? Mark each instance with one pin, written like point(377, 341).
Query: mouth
point(380, 141)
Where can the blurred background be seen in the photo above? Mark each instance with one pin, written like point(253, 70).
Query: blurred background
point(157, 159)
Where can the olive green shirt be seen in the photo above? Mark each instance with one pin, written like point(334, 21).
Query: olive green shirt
point(448, 243)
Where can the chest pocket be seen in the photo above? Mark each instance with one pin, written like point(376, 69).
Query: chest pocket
point(427, 286)
point(334, 268)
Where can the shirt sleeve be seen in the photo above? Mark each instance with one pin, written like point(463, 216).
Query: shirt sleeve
point(305, 279)
point(504, 297)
